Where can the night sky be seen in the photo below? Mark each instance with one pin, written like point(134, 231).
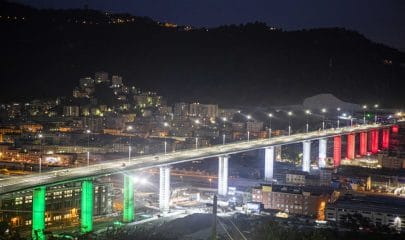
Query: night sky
point(379, 20)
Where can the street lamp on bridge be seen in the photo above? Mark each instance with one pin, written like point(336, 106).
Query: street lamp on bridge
point(307, 113)
point(129, 128)
point(364, 114)
point(338, 115)
point(270, 117)
point(289, 122)
point(88, 132)
point(247, 127)
point(375, 113)
point(323, 110)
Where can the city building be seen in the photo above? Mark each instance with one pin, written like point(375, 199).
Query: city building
point(101, 77)
point(391, 162)
point(116, 81)
point(378, 210)
point(254, 126)
point(71, 111)
point(62, 204)
point(180, 109)
point(308, 201)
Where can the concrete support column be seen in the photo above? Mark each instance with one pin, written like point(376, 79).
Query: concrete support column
point(86, 211)
point(38, 213)
point(323, 143)
point(385, 138)
point(277, 150)
point(223, 175)
point(306, 158)
point(128, 214)
point(363, 144)
point(374, 141)
point(351, 143)
point(268, 163)
point(337, 150)
point(164, 189)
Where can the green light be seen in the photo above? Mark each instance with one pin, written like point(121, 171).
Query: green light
point(128, 215)
point(38, 213)
point(87, 207)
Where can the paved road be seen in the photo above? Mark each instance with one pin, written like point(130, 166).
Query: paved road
point(114, 166)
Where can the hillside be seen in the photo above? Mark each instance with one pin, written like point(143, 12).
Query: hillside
point(45, 52)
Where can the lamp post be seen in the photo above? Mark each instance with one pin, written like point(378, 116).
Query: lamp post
point(323, 118)
point(197, 121)
point(289, 123)
point(270, 117)
point(165, 124)
point(129, 128)
point(40, 136)
point(224, 119)
point(307, 113)
point(364, 114)
point(338, 122)
point(247, 127)
point(88, 146)
point(375, 113)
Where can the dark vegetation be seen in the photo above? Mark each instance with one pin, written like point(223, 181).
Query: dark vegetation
point(46, 53)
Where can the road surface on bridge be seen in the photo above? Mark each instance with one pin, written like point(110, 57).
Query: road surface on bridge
point(18, 183)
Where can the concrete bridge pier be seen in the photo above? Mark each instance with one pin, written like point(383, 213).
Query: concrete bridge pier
point(128, 214)
point(385, 138)
point(322, 152)
point(337, 150)
point(38, 213)
point(268, 163)
point(351, 143)
point(86, 211)
point(306, 158)
point(223, 175)
point(363, 144)
point(164, 189)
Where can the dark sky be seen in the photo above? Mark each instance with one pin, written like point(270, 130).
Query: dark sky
point(380, 20)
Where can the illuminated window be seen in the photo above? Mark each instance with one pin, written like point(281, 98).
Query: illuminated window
point(18, 201)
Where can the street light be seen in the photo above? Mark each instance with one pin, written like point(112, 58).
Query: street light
point(289, 123)
point(307, 112)
point(224, 119)
point(375, 113)
point(323, 118)
point(88, 146)
point(165, 124)
point(247, 127)
point(338, 122)
point(129, 128)
point(364, 114)
point(270, 117)
point(40, 136)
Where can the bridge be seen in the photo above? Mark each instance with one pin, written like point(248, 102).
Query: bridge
point(86, 174)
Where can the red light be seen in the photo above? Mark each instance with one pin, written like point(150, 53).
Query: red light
point(337, 142)
point(350, 146)
point(363, 143)
point(395, 129)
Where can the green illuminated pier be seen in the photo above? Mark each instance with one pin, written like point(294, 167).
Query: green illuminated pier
point(38, 213)
point(87, 207)
point(128, 215)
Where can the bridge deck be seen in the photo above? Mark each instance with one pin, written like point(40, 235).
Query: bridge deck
point(19, 183)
